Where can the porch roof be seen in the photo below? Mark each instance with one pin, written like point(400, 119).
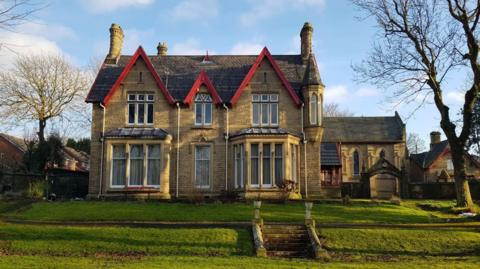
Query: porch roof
point(155, 133)
point(264, 131)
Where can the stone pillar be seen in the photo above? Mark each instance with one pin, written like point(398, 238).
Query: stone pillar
point(165, 173)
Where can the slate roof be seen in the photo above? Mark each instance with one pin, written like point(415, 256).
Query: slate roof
point(178, 73)
point(363, 129)
point(329, 155)
point(425, 159)
point(15, 141)
point(156, 133)
point(263, 131)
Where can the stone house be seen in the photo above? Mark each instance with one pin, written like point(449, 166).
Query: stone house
point(435, 165)
point(175, 126)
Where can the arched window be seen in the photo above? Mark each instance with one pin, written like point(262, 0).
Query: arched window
point(313, 109)
point(382, 154)
point(203, 109)
point(356, 163)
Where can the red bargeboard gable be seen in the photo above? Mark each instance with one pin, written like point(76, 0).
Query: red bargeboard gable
point(139, 53)
point(265, 54)
point(202, 79)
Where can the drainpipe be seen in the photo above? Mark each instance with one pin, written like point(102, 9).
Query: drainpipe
point(304, 153)
point(102, 139)
point(178, 148)
point(226, 150)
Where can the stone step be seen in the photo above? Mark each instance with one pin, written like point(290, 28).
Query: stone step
point(277, 240)
point(285, 236)
point(289, 253)
point(296, 247)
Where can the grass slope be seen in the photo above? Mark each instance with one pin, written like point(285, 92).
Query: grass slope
point(358, 212)
point(20, 262)
point(81, 241)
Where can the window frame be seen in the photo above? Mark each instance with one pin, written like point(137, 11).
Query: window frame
point(239, 165)
point(209, 166)
point(203, 100)
point(265, 101)
point(127, 148)
point(355, 173)
point(147, 100)
point(261, 158)
point(313, 109)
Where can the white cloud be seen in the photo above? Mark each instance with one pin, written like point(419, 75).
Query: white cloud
point(336, 94)
point(188, 10)
point(366, 92)
point(455, 97)
point(246, 48)
point(100, 6)
point(32, 38)
point(264, 9)
point(190, 46)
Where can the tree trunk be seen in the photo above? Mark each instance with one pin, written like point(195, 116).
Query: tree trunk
point(41, 130)
point(464, 198)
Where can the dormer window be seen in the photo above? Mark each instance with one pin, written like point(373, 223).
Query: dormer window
point(203, 110)
point(265, 110)
point(140, 108)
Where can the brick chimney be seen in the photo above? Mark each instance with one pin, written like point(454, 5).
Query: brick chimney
point(116, 43)
point(306, 41)
point(162, 49)
point(435, 138)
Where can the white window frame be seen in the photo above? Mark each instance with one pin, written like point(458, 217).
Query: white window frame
point(148, 158)
point(313, 109)
point(148, 100)
point(268, 100)
point(127, 165)
point(209, 166)
point(111, 165)
point(259, 164)
point(203, 100)
point(271, 159)
point(239, 158)
point(136, 158)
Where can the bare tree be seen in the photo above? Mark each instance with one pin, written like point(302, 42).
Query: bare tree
point(16, 12)
point(40, 88)
point(334, 110)
point(415, 143)
point(421, 44)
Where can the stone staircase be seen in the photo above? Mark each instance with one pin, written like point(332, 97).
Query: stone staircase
point(283, 240)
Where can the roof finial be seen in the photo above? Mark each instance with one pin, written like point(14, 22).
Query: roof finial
point(206, 58)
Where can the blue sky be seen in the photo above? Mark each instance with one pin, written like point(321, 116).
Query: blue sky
point(79, 29)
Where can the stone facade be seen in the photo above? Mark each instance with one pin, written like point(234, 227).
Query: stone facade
point(276, 159)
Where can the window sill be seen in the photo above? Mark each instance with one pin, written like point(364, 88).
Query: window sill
point(134, 189)
point(202, 127)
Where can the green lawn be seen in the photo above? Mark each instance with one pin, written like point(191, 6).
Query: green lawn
point(324, 212)
point(36, 246)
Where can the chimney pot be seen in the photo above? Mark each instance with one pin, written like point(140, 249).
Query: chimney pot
point(162, 49)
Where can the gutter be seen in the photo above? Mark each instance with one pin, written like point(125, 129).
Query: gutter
point(102, 139)
point(178, 149)
point(304, 140)
point(226, 150)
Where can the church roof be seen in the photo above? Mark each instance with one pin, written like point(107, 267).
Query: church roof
point(363, 129)
point(226, 72)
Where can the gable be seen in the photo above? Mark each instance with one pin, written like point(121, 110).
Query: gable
point(265, 54)
point(139, 54)
point(202, 80)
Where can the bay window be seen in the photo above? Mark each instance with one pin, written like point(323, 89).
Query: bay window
point(140, 108)
point(265, 109)
point(266, 165)
point(139, 168)
point(293, 162)
point(278, 164)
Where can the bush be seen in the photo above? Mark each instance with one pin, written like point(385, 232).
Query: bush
point(36, 189)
